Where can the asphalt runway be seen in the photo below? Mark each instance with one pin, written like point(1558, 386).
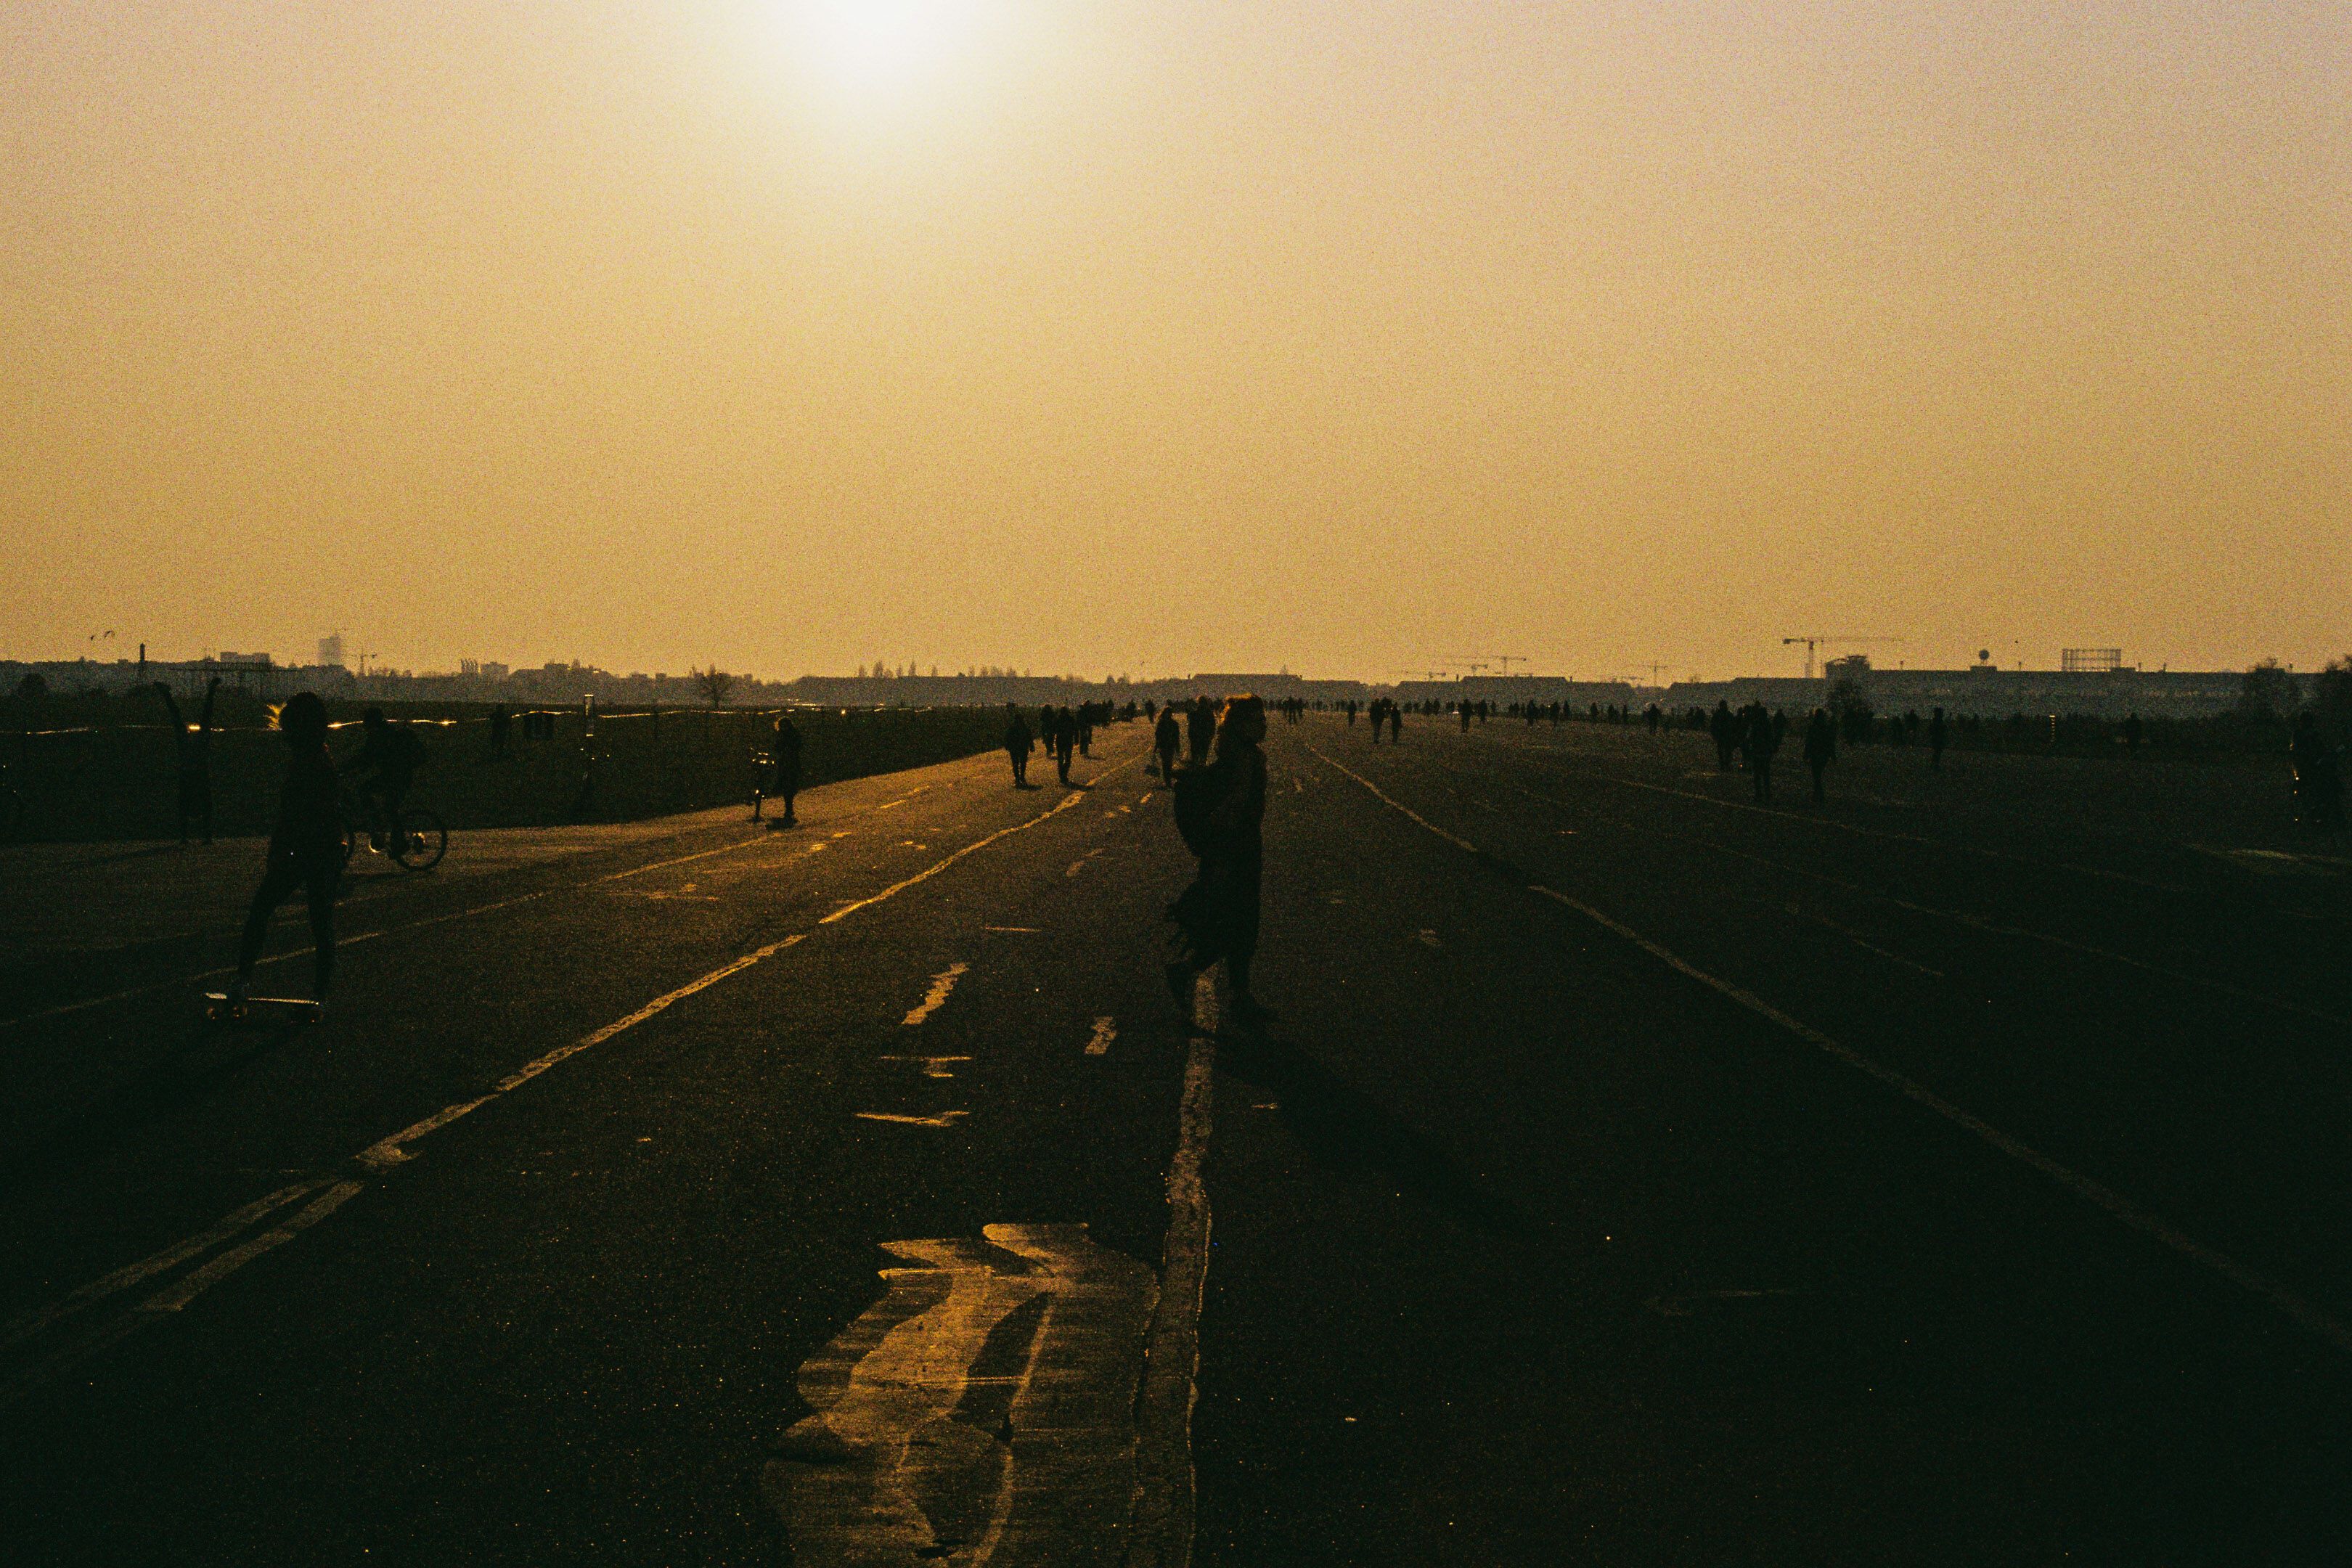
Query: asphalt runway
point(1631, 1173)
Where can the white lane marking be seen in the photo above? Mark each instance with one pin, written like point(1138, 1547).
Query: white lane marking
point(235, 1257)
point(389, 1152)
point(1080, 864)
point(933, 1066)
point(1976, 922)
point(386, 1152)
point(2122, 1209)
point(1395, 805)
point(680, 860)
point(986, 1401)
point(1860, 831)
point(27, 1324)
point(926, 874)
point(1163, 1407)
point(2081, 1186)
point(944, 1119)
point(1103, 1035)
point(1428, 939)
point(943, 983)
point(888, 804)
point(1031, 930)
point(1145, 799)
point(1862, 942)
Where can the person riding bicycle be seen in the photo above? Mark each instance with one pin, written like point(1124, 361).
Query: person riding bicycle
point(391, 757)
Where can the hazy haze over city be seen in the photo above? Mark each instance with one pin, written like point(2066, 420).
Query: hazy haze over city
point(1153, 338)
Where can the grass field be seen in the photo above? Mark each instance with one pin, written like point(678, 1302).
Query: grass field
point(118, 782)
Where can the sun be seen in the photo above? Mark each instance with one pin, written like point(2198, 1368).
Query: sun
point(880, 46)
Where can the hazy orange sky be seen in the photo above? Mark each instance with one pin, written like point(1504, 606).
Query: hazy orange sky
point(1155, 338)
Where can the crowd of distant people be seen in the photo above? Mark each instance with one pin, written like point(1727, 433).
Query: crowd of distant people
point(1208, 753)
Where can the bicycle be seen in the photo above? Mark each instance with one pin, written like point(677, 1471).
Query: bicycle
point(417, 839)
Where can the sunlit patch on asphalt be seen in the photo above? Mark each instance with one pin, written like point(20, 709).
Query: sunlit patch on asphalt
point(944, 1119)
point(943, 983)
point(987, 1403)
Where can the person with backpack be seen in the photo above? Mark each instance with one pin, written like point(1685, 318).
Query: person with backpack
point(1221, 812)
point(306, 848)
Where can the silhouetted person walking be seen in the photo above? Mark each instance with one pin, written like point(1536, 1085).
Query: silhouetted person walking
point(786, 784)
point(1723, 727)
point(1820, 749)
point(1017, 745)
point(193, 752)
point(1763, 739)
point(1939, 735)
point(2131, 732)
point(1396, 723)
point(1066, 740)
point(1221, 809)
point(1166, 740)
point(1199, 729)
point(306, 848)
point(501, 727)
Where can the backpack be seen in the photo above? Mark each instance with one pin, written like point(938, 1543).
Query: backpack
point(1198, 789)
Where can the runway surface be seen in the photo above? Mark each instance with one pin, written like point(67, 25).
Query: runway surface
point(1632, 1172)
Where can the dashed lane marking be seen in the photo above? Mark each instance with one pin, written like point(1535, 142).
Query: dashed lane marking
point(390, 1153)
point(943, 983)
point(979, 844)
point(1103, 1035)
point(2130, 1215)
point(944, 1119)
point(1030, 930)
point(933, 1066)
point(1080, 864)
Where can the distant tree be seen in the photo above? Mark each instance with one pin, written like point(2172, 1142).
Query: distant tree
point(1849, 706)
point(2267, 691)
point(715, 684)
point(2331, 693)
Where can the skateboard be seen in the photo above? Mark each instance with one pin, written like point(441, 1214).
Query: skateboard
point(219, 1009)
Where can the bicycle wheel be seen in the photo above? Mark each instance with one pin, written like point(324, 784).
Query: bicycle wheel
point(423, 838)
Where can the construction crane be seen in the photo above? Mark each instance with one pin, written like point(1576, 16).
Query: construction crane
point(1491, 660)
point(1815, 643)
